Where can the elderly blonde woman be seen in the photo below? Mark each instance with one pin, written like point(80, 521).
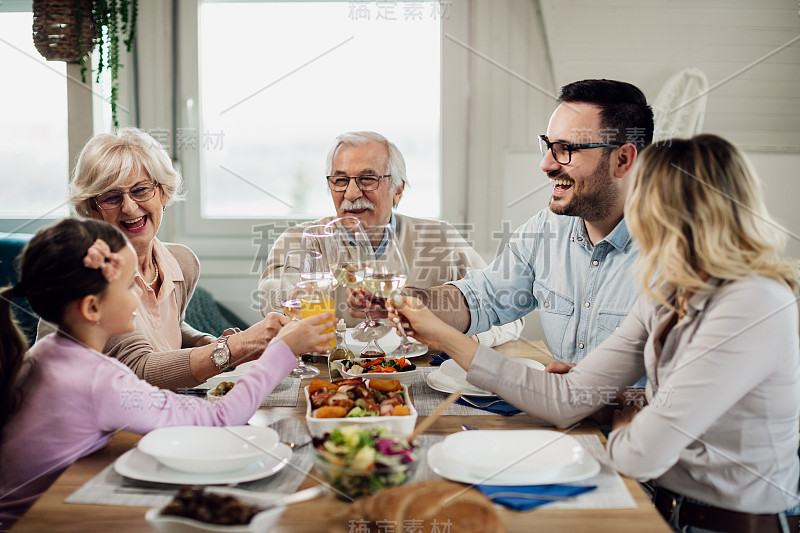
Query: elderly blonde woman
point(715, 331)
point(128, 180)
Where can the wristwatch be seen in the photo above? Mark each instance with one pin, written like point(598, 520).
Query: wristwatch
point(221, 356)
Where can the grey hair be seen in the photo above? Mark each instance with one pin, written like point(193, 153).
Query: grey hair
point(397, 165)
point(107, 160)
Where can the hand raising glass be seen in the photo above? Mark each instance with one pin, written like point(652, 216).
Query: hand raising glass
point(297, 264)
point(385, 274)
point(349, 253)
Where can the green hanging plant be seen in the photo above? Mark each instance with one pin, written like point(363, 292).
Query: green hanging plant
point(114, 19)
point(68, 30)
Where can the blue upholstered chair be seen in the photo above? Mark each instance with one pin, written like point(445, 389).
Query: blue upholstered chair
point(10, 247)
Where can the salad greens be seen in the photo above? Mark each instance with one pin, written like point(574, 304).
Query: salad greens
point(359, 461)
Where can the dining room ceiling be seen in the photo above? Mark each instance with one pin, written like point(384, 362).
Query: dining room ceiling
point(748, 49)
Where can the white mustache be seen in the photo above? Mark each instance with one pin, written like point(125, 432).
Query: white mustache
point(357, 205)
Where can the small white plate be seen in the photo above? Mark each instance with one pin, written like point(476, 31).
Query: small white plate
point(402, 377)
point(137, 465)
point(437, 380)
point(448, 469)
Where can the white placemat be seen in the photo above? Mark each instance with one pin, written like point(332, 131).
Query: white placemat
point(611, 492)
point(110, 488)
point(426, 399)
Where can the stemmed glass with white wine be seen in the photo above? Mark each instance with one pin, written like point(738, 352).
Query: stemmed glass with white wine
point(349, 253)
point(319, 238)
point(385, 275)
point(297, 264)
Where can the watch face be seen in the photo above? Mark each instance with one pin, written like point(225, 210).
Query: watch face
point(220, 356)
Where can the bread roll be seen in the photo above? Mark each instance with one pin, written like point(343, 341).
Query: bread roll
point(466, 510)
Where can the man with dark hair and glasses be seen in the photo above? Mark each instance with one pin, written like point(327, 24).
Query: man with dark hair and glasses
point(366, 176)
point(571, 261)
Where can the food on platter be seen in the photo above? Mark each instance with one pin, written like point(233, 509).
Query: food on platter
point(378, 365)
point(357, 398)
point(223, 388)
point(195, 503)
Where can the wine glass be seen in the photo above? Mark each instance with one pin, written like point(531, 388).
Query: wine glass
point(349, 253)
point(385, 274)
point(319, 238)
point(296, 264)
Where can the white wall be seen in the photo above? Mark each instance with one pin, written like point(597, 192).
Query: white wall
point(780, 173)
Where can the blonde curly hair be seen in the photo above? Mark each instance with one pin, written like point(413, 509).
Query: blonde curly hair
point(696, 207)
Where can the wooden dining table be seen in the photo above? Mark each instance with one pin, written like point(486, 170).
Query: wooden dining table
point(51, 514)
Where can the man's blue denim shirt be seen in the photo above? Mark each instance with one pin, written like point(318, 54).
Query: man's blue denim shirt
point(583, 291)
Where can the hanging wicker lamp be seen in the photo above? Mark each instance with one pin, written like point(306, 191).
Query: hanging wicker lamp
point(55, 29)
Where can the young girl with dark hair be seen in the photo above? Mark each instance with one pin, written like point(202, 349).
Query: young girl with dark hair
point(64, 399)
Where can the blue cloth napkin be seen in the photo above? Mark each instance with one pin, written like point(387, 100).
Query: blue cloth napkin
point(500, 408)
point(439, 358)
point(527, 503)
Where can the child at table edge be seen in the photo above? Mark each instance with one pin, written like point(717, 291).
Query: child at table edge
point(64, 399)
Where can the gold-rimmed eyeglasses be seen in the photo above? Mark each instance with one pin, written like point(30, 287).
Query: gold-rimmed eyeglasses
point(141, 192)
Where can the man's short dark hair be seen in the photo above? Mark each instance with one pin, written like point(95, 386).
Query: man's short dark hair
point(624, 116)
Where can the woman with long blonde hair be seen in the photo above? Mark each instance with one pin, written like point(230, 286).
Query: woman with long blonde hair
point(715, 331)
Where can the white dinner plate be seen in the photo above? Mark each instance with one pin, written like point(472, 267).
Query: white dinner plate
point(454, 371)
point(438, 380)
point(541, 453)
point(448, 469)
point(137, 465)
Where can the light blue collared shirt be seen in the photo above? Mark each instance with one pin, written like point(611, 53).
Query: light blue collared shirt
point(583, 291)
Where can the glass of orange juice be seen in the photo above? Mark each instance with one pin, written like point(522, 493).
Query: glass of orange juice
point(316, 296)
point(298, 265)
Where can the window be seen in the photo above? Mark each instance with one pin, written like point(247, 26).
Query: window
point(34, 148)
point(33, 136)
point(279, 80)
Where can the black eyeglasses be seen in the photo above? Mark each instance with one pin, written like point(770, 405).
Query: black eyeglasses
point(141, 192)
point(364, 183)
point(562, 152)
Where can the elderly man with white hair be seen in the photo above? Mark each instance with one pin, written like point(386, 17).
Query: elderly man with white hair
point(376, 177)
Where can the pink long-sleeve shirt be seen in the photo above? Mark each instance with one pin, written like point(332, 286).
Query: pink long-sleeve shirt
point(74, 399)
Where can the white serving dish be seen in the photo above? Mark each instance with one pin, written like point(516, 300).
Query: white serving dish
point(208, 450)
point(402, 377)
point(524, 454)
point(398, 426)
point(261, 522)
